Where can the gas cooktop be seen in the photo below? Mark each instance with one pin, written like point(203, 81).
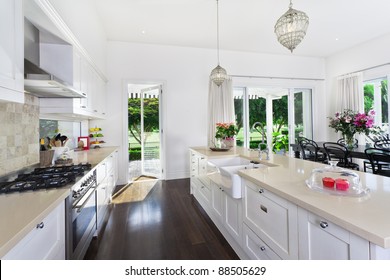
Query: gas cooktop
point(45, 178)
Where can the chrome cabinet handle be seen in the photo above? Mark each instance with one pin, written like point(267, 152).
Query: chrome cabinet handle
point(323, 224)
point(262, 248)
point(41, 225)
point(261, 190)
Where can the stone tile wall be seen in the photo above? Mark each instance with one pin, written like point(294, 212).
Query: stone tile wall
point(19, 135)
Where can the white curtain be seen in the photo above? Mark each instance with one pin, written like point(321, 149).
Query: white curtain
point(220, 107)
point(350, 92)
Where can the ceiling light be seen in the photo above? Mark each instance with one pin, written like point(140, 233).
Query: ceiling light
point(291, 27)
point(218, 75)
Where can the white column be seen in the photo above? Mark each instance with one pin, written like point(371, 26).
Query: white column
point(269, 121)
point(377, 103)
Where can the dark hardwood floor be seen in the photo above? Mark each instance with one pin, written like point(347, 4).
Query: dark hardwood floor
point(168, 224)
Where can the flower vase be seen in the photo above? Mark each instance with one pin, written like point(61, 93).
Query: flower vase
point(218, 143)
point(229, 142)
point(349, 141)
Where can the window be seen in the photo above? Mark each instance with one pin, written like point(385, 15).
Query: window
point(50, 128)
point(376, 98)
point(275, 116)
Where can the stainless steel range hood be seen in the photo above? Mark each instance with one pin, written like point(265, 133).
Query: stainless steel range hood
point(37, 80)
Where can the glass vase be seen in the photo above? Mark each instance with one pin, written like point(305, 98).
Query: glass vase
point(349, 141)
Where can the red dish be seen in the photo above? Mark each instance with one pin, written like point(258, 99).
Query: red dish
point(328, 182)
point(342, 184)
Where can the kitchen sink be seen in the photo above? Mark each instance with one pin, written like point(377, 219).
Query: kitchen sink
point(228, 170)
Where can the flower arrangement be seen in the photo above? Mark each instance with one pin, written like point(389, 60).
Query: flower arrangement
point(226, 130)
point(350, 122)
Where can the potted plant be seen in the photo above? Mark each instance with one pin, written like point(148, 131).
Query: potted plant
point(226, 133)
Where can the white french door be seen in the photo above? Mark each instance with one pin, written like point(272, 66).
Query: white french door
point(144, 122)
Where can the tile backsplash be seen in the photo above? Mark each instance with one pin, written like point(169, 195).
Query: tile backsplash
point(19, 135)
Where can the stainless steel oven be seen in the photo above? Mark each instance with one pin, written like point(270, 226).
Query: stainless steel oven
point(81, 216)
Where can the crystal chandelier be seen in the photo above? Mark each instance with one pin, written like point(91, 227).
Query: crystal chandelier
point(218, 75)
point(291, 28)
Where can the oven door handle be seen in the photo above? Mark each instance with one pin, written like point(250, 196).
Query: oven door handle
point(81, 204)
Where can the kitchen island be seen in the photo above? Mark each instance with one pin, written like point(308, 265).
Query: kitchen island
point(20, 213)
point(362, 219)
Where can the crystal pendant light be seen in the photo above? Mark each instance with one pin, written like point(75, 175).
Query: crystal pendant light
point(291, 28)
point(218, 75)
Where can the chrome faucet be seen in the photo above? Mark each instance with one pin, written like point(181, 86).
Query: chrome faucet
point(261, 151)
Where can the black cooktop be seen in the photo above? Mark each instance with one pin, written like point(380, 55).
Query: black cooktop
point(45, 178)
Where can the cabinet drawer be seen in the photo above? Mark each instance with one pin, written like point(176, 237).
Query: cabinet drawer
point(273, 219)
point(255, 248)
point(203, 189)
point(44, 242)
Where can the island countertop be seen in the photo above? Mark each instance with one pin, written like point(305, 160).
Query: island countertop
point(21, 212)
point(367, 216)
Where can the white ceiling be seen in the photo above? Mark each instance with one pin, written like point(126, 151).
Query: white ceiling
point(245, 25)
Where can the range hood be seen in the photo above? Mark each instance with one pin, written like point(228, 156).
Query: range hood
point(38, 80)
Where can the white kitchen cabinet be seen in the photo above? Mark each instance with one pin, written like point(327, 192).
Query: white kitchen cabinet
point(198, 164)
point(227, 210)
point(233, 216)
point(217, 200)
point(272, 218)
point(319, 239)
point(255, 248)
point(102, 201)
point(106, 171)
point(11, 51)
point(46, 241)
point(86, 80)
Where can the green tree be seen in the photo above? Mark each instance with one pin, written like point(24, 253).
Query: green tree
point(280, 113)
point(151, 116)
point(368, 97)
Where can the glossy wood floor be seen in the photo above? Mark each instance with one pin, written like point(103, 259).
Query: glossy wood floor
point(168, 224)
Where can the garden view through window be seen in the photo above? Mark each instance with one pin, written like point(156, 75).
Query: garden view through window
point(273, 116)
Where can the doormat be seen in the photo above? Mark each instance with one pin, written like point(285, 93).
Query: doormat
point(135, 191)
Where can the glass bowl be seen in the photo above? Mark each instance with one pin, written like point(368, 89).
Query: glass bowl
point(335, 180)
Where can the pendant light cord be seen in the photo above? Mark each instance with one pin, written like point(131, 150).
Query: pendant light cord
point(217, 32)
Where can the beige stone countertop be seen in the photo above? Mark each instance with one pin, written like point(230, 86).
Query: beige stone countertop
point(367, 216)
point(21, 212)
point(92, 156)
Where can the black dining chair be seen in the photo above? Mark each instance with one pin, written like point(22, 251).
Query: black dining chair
point(338, 152)
point(382, 144)
point(310, 150)
point(380, 161)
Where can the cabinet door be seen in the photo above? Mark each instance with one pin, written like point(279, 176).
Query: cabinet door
point(11, 51)
point(320, 239)
point(85, 85)
point(45, 242)
point(101, 203)
point(233, 216)
point(216, 200)
point(273, 219)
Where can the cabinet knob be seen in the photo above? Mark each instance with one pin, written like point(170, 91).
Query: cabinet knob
point(323, 224)
point(262, 248)
point(40, 225)
point(261, 190)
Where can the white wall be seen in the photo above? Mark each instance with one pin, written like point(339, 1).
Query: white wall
point(184, 73)
point(370, 54)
